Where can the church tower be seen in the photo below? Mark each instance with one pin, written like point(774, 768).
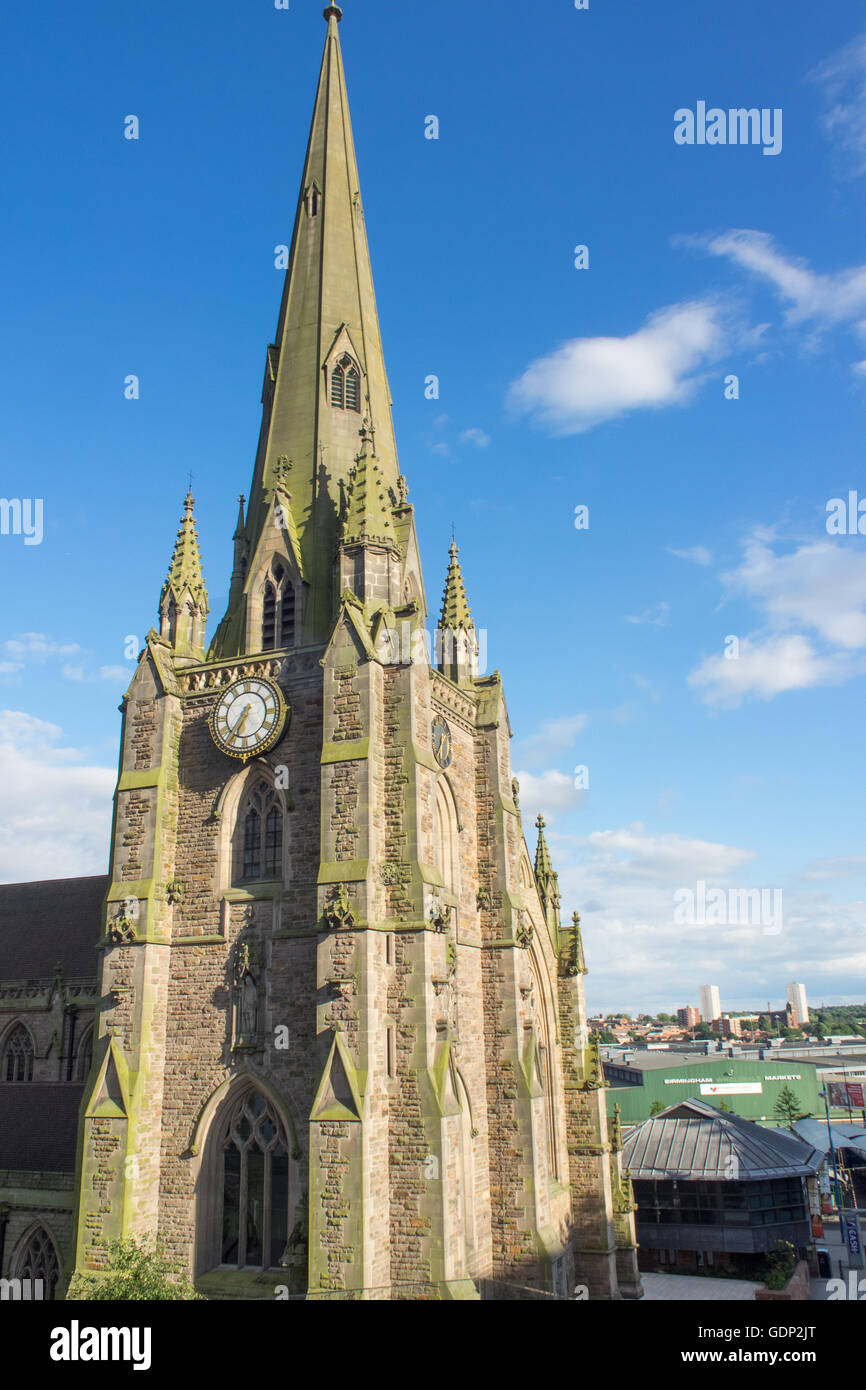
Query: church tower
point(342, 1046)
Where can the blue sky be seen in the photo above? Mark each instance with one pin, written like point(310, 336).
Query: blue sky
point(559, 387)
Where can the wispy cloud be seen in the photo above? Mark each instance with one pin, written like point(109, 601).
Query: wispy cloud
point(555, 737)
point(810, 296)
point(657, 616)
point(476, 437)
point(845, 866)
point(590, 380)
point(842, 78)
point(697, 553)
point(36, 648)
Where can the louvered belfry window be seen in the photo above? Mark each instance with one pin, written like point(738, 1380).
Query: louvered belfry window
point(278, 611)
point(269, 618)
point(346, 384)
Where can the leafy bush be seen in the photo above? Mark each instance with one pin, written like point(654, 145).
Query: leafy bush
point(136, 1270)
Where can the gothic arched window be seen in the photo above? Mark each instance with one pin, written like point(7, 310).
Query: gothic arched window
point(38, 1260)
point(255, 1186)
point(18, 1055)
point(259, 852)
point(346, 384)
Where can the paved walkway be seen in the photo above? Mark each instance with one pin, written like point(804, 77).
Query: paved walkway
point(677, 1288)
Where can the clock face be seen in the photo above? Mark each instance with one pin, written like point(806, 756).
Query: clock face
point(442, 746)
point(248, 717)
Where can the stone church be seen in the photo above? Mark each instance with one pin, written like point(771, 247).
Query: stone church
point(321, 1028)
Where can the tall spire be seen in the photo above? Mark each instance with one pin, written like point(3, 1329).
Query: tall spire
point(326, 369)
point(457, 638)
point(183, 602)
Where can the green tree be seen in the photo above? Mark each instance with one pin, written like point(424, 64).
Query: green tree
point(725, 1108)
point(602, 1035)
point(136, 1270)
point(787, 1107)
point(656, 1107)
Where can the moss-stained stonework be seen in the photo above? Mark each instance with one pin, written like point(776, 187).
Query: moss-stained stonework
point(400, 991)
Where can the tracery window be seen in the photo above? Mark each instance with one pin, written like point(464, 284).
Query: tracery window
point(38, 1260)
point(18, 1055)
point(346, 384)
point(260, 840)
point(255, 1186)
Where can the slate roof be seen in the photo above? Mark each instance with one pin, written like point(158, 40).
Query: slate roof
point(41, 924)
point(695, 1140)
point(847, 1136)
point(29, 1140)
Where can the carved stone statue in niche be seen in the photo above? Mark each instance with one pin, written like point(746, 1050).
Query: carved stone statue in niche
point(338, 910)
point(245, 995)
point(123, 926)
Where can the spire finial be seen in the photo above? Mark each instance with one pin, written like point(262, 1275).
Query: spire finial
point(333, 11)
point(540, 821)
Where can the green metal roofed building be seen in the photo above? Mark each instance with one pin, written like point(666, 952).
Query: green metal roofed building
point(749, 1087)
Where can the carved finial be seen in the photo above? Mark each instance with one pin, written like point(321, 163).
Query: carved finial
point(540, 821)
point(333, 10)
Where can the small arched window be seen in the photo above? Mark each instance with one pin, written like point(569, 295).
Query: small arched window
point(255, 1186)
point(18, 1055)
point(38, 1260)
point(346, 384)
point(259, 852)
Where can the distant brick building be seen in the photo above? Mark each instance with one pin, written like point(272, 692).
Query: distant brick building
point(341, 1041)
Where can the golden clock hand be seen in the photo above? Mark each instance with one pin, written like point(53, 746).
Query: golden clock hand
point(238, 729)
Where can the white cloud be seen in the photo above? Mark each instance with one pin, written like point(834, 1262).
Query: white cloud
point(55, 806)
point(812, 606)
point(552, 739)
point(36, 646)
point(809, 295)
point(657, 616)
point(623, 883)
point(669, 857)
point(549, 792)
point(820, 585)
point(843, 78)
point(764, 668)
point(845, 866)
point(476, 437)
point(441, 449)
point(698, 553)
point(589, 380)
